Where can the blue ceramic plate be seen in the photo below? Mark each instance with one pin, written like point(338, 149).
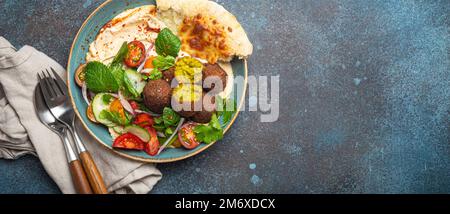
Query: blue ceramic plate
point(85, 36)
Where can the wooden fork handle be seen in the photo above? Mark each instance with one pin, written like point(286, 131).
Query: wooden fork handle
point(92, 173)
point(79, 178)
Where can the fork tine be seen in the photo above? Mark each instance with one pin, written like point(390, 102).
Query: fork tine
point(60, 82)
point(50, 88)
point(47, 88)
point(55, 87)
point(44, 87)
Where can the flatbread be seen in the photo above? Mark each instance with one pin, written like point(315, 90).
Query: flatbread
point(174, 12)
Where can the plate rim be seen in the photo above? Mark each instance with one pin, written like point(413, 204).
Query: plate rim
point(141, 159)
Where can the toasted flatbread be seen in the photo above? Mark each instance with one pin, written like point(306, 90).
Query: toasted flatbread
point(221, 36)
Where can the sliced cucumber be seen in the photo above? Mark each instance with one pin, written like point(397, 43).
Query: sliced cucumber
point(119, 129)
point(98, 105)
point(138, 131)
point(134, 82)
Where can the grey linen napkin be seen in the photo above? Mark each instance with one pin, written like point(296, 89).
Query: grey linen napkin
point(22, 133)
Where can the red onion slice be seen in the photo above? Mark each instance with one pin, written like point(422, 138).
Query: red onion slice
point(90, 95)
point(147, 55)
point(126, 105)
point(145, 112)
point(172, 136)
point(84, 92)
point(160, 134)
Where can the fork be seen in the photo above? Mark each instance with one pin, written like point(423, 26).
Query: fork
point(79, 178)
point(56, 97)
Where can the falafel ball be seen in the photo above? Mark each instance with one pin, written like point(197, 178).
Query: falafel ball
point(208, 109)
point(214, 70)
point(169, 75)
point(157, 95)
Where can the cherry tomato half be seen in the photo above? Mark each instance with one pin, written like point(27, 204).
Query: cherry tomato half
point(187, 137)
point(135, 55)
point(128, 141)
point(143, 120)
point(152, 147)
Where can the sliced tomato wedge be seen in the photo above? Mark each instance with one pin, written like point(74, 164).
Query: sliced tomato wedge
point(135, 55)
point(187, 137)
point(143, 120)
point(128, 141)
point(152, 147)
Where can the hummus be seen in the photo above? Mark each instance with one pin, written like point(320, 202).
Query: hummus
point(138, 24)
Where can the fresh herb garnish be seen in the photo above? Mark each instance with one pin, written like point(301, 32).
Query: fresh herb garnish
point(118, 74)
point(163, 63)
point(118, 59)
point(170, 117)
point(155, 74)
point(164, 123)
point(225, 108)
point(169, 131)
point(211, 132)
point(100, 79)
point(167, 43)
point(116, 66)
point(115, 117)
point(107, 98)
point(158, 120)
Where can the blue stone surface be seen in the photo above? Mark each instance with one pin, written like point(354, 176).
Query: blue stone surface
point(364, 92)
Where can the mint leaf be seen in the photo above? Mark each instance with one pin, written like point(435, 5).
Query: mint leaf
point(167, 43)
point(99, 78)
point(163, 63)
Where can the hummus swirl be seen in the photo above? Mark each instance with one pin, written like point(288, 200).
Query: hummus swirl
point(139, 24)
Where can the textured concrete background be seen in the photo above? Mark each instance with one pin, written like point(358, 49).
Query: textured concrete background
point(365, 98)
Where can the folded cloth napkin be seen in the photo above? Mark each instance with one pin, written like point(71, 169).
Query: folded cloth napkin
point(21, 132)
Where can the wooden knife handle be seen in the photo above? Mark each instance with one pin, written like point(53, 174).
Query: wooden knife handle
point(79, 179)
point(92, 173)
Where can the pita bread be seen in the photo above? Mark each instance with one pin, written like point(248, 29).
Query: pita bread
point(174, 12)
